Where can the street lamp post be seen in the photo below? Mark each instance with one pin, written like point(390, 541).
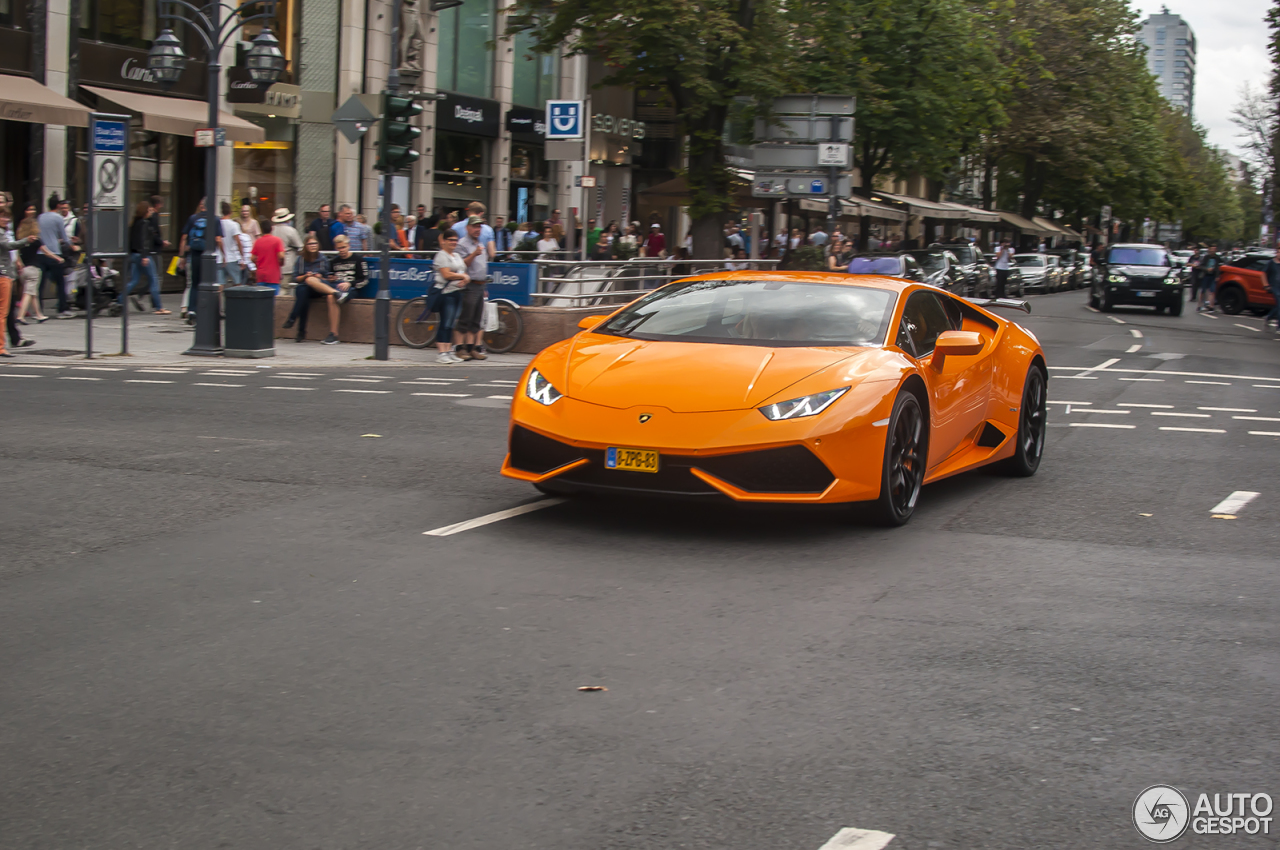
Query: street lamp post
point(166, 61)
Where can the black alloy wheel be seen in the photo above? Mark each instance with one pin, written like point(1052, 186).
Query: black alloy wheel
point(905, 455)
point(1033, 423)
point(1231, 300)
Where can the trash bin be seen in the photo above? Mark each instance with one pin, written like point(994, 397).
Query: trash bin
point(250, 324)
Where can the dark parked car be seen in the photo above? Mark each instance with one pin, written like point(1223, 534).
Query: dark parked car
point(894, 265)
point(941, 269)
point(1138, 273)
point(972, 267)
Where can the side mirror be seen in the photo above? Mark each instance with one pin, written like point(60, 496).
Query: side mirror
point(586, 323)
point(956, 344)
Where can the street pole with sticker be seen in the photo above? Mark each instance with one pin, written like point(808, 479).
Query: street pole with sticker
point(104, 225)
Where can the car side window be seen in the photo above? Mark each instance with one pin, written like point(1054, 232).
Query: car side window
point(923, 319)
point(911, 266)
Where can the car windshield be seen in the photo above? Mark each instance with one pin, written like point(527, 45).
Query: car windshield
point(1138, 257)
point(772, 313)
point(875, 265)
point(1029, 260)
point(930, 261)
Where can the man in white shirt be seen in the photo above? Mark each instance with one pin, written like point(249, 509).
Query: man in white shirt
point(1004, 262)
point(477, 254)
point(231, 254)
point(818, 237)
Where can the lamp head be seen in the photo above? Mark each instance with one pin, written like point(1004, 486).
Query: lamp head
point(264, 59)
point(166, 59)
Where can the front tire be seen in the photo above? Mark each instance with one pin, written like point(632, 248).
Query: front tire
point(1032, 426)
point(1231, 300)
point(1175, 309)
point(905, 455)
point(415, 324)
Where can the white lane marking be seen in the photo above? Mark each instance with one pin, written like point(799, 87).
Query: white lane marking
point(142, 381)
point(75, 378)
point(503, 381)
point(1249, 328)
point(299, 374)
point(1135, 404)
point(1137, 334)
point(1097, 410)
point(300, 389)
point(1117, 321)
point(375, 392)
point(292, 378)
point(1267, 386)
point(1233, 503)
point(425, 383)
point(1076, 403)
point(19, 375)
point(1210, 383)
point(1265, 433)
point(1165, 373)
point(33, 366)
point(1094, 309)
point(382, 377)
point(1229, 409)
point(1100, 425)
point(492, 386)
point(1103, 365)
point(361, 380)
point(1209, 316)
point(1075, 377)
point(850, 838)
point(1257, 418)
point(1182, 415)
point(446, 380)
point(98, 368)
point(229, 373)
point(1145, 380)
point(163, 371)
point(503, 397)
point(445, 395)
point(1195, 430)
point(467, 525)
point(198, 384)
point(1133, 349)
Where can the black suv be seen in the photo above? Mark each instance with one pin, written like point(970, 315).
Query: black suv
point(973, 272)
point(1137, 273)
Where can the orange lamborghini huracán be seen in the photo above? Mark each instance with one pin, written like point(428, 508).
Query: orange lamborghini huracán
point(767, 386)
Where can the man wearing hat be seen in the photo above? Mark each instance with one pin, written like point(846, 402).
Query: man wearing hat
point(655, 245)
point(283, 229)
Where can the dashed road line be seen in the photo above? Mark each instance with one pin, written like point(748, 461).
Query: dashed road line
point(498, 516)
point(1133, 349)
point(34, 366)
point(1072, 403)
point(1207, 315)
point(144, 381)
point(1182, 415)
point(1249, 328)
point(1229, 409)
point(1167, 373)
point(375, 392)
point(231, 374)
point(1137, 334)
point(300, 389)
point(1098, 410)
point(98, 368)
point(1136, 404)
point(1117, 321)
point(1145, 380)
point(77, 378)
point(1234, 502)
point(1195, 430)
point(1210, 383)
point(1103, 365)
point(445, 395)
point(19, 375)
point(1257, 418)
point(299, 374)
point(200, 384)
point(361, 380)
point(851, 838)
point(162, 371)
point(1101, 425)
point(503, 397)
point(1265, 433)
point(1267, 386)
point(293, 378)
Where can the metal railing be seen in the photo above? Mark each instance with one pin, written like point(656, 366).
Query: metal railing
point(590, 283)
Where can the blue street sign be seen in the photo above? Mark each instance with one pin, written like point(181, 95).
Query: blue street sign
point(411, 278)
point(109, 137)
point(564, 120)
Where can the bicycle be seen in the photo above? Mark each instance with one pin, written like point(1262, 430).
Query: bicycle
point(417, 325)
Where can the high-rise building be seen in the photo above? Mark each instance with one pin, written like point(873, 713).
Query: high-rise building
point(1171, 57)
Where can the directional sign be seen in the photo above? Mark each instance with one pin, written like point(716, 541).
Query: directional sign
point(796, 185)
point(353, 118)
point(109, 137)
point(564, 120)
point(804, 129)
point(795, 156)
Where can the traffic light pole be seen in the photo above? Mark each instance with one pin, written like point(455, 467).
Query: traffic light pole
point(382, 304)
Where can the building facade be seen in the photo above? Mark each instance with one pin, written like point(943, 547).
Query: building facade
point(1171, 57)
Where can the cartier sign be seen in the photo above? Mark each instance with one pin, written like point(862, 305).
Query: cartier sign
point(126, 68)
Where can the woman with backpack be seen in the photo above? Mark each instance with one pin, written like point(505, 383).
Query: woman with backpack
point(190, 248)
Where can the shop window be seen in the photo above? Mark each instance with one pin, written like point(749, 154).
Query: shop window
point(535, 79)
point(262, 176)
point(465, 63)
point(13, 13)
point(461, 165)
point(124, 22)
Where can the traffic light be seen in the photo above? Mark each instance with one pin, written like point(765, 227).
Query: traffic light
point(396, 134)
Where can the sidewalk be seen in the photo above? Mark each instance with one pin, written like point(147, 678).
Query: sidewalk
point(160, 341)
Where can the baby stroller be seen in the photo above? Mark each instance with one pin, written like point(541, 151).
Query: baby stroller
point(103, 285)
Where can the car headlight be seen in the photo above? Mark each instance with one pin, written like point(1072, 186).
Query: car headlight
point(797, 408)
point(540, 390)
point(1116, 278)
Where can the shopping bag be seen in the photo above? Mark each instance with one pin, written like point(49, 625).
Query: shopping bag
point(491, 322)
point(173, 266)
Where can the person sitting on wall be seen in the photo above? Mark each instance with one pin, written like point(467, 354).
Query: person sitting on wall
point(314, 275)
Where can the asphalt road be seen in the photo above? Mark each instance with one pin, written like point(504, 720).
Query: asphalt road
point(222, 624)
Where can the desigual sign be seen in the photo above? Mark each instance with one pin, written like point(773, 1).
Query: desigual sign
point(473, 115)
point(628, 127)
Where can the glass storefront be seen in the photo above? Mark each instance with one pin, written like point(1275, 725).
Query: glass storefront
point(530, 183)
point(465, 61)
point(263, 177)
point(535, 80)
point(460, 169)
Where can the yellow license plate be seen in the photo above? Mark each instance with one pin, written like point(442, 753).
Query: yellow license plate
point(631, 460)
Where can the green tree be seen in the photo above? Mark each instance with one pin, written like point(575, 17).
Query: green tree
point(705, 53)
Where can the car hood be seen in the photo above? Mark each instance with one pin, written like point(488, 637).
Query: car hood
point(687, 377)
point(1141, 271)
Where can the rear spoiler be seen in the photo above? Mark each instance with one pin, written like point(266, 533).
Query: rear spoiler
point(1011, 303)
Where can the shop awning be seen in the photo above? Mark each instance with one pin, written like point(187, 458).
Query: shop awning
point(1017, 222)
point(861, 206)
point(178, 116)
point(923, 208)
point(1057, 229)
point(976, 215)
point(23, 99)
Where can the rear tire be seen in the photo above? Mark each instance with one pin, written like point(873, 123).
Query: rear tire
point(1032, 426)
point(414, 325)
point(905, 455)
point(1231, 300)
point(1093, 299)
point(510, 329)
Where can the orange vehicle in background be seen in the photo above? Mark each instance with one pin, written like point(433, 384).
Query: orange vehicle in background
point(783, 387)
point(1242, 285)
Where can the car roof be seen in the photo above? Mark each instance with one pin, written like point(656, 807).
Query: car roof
point(873, 281)
point(1136, 245)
